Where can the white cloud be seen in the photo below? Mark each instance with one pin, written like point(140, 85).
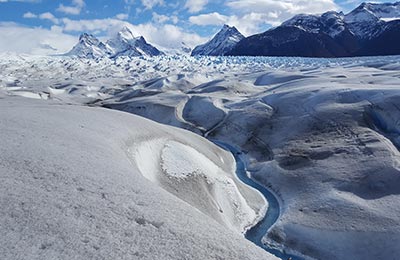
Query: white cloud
point(247, 24)
point(167, 36)
point(20, 39)
point(44, 16)
point(160, 18)
point(122, 16)
point(149, 4)
point(209, 19)
point(195, 6)
point(48, 16)
point(101, 25)
point(29, 15)
point(252, 23)
point(284, 8)
point(75, 8)
point(175, 19)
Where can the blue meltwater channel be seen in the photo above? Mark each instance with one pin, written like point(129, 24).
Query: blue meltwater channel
point(257, 232)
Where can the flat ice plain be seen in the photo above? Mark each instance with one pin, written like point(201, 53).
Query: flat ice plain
point(323, 135)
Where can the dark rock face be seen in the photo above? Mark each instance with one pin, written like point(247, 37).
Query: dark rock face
point(387, 43)
point(289, 41)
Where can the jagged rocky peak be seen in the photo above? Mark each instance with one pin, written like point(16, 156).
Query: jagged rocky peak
point(383, 10)
point(229, 29)
point(221, 43)
point(331, 23)
point(126, 34)
point(361, 14)
point(372, 12)
point(368, 20)
point(305, 22)
point(124, 43)
point(88, 47)
point(88, 39)
point(122, 38)
point(333, 15)
point(230, 32)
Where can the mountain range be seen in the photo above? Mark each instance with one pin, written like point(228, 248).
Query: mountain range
point(124, 43)
point(370, 29)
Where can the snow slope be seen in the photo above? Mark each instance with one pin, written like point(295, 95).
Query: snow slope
point(322, 134)
point(73, 187)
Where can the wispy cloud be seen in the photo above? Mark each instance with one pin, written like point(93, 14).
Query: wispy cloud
point(149, 4)
point(122, 16)
point(284, 8)
point(43, 16)
point(21, 39)
point(74, 9)
point(195, 6)
point(48, 16)
point(160, 18)
point(29, 15)
point(23, 1)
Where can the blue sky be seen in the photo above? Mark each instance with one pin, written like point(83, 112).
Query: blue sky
point(31, 25)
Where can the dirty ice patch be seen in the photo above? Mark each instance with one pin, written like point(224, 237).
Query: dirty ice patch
point(182, 161)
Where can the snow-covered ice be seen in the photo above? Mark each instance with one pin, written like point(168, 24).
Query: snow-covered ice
point(71, 189)
point(322, 134)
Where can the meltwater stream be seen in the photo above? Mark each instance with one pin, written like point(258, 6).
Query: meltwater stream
point(257, 232)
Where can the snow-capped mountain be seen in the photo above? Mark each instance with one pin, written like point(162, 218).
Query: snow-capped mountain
point(126, 44)
point(373, 11)
point(89, 47)
point(332, 34)
point(221, 43)
point(123, 44)
point(331, 23)
point(365, 22)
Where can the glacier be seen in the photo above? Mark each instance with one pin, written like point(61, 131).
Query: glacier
point(321, 134)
